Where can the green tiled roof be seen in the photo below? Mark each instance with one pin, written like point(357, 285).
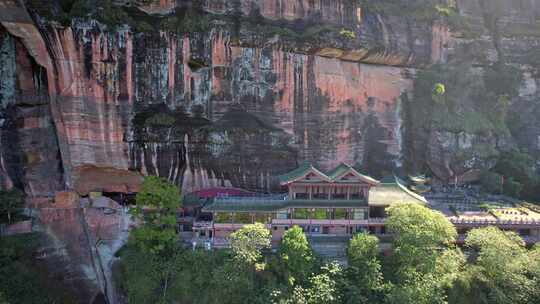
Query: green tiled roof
point(332, 175)
point(339, 170)
point(299, 172)
point(271, 205)
point(392, 191)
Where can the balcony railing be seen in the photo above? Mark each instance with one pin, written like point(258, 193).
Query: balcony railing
point(377, 220)
point(527, 239)
point(207, 225)
point(252, 197)
point(318, 222)
point(202, 224)
point(499, 222)
point(234, 225)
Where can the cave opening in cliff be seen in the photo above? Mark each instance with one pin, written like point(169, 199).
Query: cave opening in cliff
point(196, 65)
point(124, 199)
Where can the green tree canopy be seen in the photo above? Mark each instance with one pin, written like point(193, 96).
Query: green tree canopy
point(534, 273)
point(424, 258)
point(248, 242)
point(156, 206)
point(419, 232)
point(499, 268)
point(321, 288)
point(364, 269)
point(296, 254)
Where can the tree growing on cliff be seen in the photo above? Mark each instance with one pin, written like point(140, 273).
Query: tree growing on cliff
point(364, 270)
point(10, 202)
point(424, 258)
point(156, 207)
point(248, 242)
point(500, 272)
point(297, 255)
point(321, 288)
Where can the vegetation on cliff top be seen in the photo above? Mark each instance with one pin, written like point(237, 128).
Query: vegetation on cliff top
point(459, 98)
point(465, 100)
point(193, 19)
point(419, 10)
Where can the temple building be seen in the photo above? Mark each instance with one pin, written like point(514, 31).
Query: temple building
point(340, 202)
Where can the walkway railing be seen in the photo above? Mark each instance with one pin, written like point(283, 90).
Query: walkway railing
point(251, 197)
point(495, 222)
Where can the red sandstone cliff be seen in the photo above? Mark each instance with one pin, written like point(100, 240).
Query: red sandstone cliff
point(319, 102)
point(87, 109)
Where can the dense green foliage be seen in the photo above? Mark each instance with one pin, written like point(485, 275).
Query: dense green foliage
point(424, 259)
point(186, 21)
point(365, 280)
point(109, 14)
point(513, 175)
point(247, 243)
point(10, 202)
point(23, 279)
point(454, 98)
point(500, 270)
point(296, 254)
point(156, 206)
point(460, 99)
point(424, 267)
point(418, 10)
point(520, 178)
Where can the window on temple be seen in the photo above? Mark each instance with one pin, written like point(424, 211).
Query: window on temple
point(320, 214)
point(340, 214)
point(243, 218)
point(339, 193)
point(264, 218)
point(301, 214)
point(301, 196)
point(320, 196)
point(283, 215)
point(339, 196)
point(360, 229)
point(223, 218)
point(359, 214)
point(357, 195)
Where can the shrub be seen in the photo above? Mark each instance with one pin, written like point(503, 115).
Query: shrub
point(347, 34)
point(512, 187)
point(491, 182)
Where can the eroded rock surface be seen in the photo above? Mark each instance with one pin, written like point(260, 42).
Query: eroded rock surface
point(85, 108)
